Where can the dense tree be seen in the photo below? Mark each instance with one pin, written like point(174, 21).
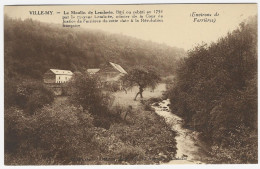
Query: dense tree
point(85, 91)
point(141, 77)
point(216, 93)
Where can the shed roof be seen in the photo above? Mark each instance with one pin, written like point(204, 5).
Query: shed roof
point(61, 72)
point(92, 71)
point(118, 67)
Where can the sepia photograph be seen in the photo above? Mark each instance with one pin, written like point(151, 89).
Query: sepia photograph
point(133, 84)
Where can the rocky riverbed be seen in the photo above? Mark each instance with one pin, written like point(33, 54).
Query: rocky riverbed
point(187, 149)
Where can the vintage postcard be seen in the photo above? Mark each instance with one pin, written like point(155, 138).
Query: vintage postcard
point(130, 84)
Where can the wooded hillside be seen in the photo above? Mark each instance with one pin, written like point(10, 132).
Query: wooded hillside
point(32, 47)
point(216, 93)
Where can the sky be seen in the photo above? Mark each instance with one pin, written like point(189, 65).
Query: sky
point(177, 28)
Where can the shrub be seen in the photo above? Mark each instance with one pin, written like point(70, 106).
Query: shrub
point(14, 123)
point(241, 147)
point(147, 106)
point(38, 99)
point(113, 87)
point(103, 122)
point(9, 92)
point(130, 153)
point(68, 134)
point(84, 91)
point(29, 96)
point(154, 99)
point(59, 132)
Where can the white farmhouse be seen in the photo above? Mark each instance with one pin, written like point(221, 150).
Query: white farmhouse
point(57, 76)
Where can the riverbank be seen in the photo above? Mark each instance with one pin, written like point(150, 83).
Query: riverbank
point(143, 128)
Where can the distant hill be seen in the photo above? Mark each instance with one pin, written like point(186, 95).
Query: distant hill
point(32, 47)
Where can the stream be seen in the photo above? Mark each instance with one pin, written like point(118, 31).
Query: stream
point(187, 149)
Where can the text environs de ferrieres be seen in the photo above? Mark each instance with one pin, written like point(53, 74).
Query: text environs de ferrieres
point(203, 17)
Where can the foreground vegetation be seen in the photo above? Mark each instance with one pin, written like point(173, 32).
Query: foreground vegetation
point(78, 131)
point(215, 91)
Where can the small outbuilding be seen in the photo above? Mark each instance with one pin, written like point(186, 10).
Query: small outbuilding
point(93, 71)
